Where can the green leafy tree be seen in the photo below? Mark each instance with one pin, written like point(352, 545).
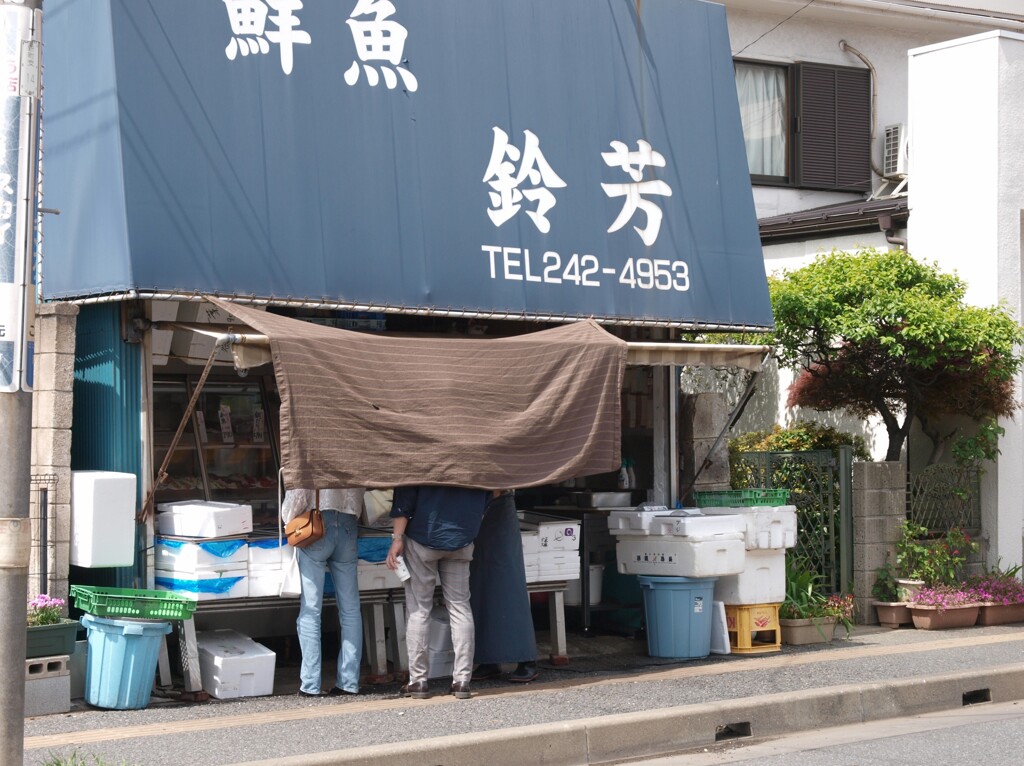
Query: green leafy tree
point(880, 333)
point(800, 436)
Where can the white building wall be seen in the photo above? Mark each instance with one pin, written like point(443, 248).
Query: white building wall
point(813, 35)
point(966, 120)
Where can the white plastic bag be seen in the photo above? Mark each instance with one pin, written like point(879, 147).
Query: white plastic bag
point(291, 583)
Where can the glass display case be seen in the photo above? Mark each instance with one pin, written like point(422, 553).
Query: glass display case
point(228, 449)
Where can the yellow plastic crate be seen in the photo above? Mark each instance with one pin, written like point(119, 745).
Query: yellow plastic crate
point(753, 628)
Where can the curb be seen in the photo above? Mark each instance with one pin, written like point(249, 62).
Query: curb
point(668, 731)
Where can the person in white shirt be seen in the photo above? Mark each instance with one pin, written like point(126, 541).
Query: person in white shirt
point(338, 550)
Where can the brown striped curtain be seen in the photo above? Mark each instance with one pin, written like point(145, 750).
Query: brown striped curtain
point(369, 410)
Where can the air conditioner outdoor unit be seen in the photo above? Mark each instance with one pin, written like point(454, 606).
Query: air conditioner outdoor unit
point(894, 157)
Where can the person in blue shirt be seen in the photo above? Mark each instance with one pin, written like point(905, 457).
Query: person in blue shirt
point(434, 530)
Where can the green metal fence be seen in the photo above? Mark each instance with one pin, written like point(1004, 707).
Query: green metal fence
point(944, 496)
point(820, 486)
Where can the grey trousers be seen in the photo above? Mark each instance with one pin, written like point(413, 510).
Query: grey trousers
point(453, 566)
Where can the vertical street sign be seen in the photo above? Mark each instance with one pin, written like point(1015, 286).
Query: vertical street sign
point(19, 98)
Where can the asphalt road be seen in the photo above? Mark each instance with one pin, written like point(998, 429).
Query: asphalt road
point(991, 734)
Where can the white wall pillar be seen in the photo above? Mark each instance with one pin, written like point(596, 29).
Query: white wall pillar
point(966, 122)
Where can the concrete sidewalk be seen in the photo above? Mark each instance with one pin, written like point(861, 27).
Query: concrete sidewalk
point(601, 708)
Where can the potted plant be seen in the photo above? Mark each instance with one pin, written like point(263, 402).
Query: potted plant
point(1000, 594)
point(49, 632)
point(925, 559)
point(806, 616)
point(892, 611)
point(944, 606)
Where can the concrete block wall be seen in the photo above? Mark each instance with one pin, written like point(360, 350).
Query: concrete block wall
point(879, 507)
point(52, 400)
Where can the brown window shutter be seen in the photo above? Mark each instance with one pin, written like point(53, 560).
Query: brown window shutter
point(832, 134)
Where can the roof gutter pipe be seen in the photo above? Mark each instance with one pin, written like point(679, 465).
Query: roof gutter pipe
point(957, 15)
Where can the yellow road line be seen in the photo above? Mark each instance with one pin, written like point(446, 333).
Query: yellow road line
point(759, 662)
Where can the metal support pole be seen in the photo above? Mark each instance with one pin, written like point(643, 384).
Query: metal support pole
point(15, 547)
point(20, 55)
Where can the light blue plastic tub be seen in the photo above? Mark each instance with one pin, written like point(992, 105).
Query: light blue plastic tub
point(678, 612)
point(122, 659)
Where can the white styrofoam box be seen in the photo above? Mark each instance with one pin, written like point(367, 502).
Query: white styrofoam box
point(698, 527)
point(558, 565)
point(102, 519)
point(160, 340)
point(233, 665)
point(268, 553)
point(206, 585)
point(634, 521)
point(574, 590)
point(532, 564)
point(440, 664)
point(762, 581)
point(531, 541)
point(441, 652)
point(189, 555)
point(198, 518)
point(553, 532)
point(672, 556)
point(439, 631)
point(765, 526)
point(196, 346)
point(376, 576)
point(265, 582)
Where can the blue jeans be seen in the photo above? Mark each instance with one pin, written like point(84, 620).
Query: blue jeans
point(338, 550)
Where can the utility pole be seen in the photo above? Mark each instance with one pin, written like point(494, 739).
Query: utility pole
point(20, 59)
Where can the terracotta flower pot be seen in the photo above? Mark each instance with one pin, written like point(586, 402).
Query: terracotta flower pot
point(906, 588)
point(931, 618)
point(892, 614)
point(815, 630)
point(1000, 614)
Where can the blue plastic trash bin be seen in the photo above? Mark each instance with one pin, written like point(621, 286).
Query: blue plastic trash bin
point(122, 660)
point(678, 612)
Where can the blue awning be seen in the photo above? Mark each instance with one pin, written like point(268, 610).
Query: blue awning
point(514, 157)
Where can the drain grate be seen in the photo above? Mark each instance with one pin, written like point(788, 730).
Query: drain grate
point(977, 696)
point(732, 731)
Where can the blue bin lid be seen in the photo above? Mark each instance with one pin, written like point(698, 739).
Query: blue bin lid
point(126, 626)
point(658, 580)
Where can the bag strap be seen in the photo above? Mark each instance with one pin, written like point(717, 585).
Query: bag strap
point(280, 507)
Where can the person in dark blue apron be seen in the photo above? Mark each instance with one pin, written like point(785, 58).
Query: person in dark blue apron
point(498, 595)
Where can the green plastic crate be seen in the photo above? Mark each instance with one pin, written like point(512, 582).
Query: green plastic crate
point(125, 602)
point(741, 498)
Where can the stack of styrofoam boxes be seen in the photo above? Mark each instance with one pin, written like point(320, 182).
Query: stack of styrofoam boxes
point(269, 558)
point(767, 532)
point(233, 665)
point(558, 546)
point(531, 553)
point(192, 569)
point(683, 543)
point(372, 572)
